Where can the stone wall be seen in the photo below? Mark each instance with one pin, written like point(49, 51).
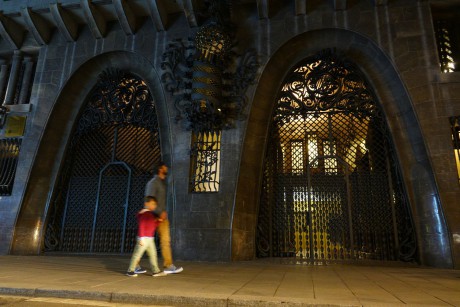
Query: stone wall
point(393, 44)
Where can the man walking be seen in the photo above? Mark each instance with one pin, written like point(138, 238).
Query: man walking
point(157, 187)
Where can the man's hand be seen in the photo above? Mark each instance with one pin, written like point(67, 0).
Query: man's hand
point(141, 243)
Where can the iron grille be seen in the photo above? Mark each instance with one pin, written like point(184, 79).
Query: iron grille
point(9, 153)
point(111, 156)
point(205, 166)
point(331, 188)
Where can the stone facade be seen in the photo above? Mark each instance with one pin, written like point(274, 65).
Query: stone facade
point(392, 42)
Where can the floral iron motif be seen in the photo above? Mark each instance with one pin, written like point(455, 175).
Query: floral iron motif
point(119, 97)
point(207, 77)
point(331, 84)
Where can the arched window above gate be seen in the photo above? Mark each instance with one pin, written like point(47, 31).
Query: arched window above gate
point(324, 83)
point(118, 98)
point(331, 95)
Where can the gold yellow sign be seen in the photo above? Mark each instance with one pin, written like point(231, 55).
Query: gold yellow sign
point(15, 126)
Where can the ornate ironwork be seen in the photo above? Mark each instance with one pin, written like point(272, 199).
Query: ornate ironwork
point(9, 153)
point(205, 164)
point(206, 75)
point(111, 156)
point(324, 83)
point(331, 187)
point(119, 98)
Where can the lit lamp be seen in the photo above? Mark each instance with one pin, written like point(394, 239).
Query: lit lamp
point(212, 45)
point(3, 113)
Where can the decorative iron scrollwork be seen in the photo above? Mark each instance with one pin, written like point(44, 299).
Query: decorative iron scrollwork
point(206, 75)
point(120, 98)
point(325, 82)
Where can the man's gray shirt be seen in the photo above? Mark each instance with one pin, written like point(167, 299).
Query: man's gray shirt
point(157, 187)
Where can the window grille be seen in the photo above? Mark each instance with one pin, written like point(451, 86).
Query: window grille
point(205, 166)
point(297, 153)
point(447, 32)
point(9, 153)
point(455, 126)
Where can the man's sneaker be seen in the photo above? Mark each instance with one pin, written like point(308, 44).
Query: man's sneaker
point(159, 274)
point(140, 270)
point(131, 274)
point(172, 269)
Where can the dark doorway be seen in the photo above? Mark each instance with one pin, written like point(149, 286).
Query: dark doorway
point(111, 156)
point(331, 185)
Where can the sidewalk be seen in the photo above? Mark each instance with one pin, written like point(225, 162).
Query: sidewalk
point(254, 283)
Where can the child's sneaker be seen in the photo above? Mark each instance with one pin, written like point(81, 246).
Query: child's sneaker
point(159, 274)
point(140, 270)
point(131, 274)
point(172, 269)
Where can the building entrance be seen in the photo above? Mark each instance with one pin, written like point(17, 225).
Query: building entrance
point(331, 184)
point(110, 158)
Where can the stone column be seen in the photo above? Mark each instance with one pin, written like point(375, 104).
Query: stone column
point(3, 77)
point(26, 78)
point(14, 74)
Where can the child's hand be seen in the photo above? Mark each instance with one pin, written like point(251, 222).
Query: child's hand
point(160, 220)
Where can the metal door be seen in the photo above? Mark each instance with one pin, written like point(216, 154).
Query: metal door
point(331, 187)
point(110, 158)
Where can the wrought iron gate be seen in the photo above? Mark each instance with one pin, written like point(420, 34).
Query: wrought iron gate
point(110, 158)
point(331, 185)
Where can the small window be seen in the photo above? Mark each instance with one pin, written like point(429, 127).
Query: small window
point(205, 166)
point(330, 162)
point(312, 150)
point(455, 126)
point(446, 21)
point(297, 152)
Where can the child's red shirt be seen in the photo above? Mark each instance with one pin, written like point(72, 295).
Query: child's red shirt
point(147, 224)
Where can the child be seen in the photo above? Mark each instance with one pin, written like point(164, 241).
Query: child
point(147, 223)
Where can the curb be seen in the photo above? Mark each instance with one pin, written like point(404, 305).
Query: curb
point(17, 291)
point(130, 298)
point(73, 294)
point(170, 300)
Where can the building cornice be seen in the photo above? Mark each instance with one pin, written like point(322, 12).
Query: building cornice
point(39, 18)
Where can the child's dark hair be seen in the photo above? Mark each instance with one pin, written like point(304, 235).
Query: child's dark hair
point(150, 198)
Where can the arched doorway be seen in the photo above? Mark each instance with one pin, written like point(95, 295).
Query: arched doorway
point(112, 153)
point(331, 188)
